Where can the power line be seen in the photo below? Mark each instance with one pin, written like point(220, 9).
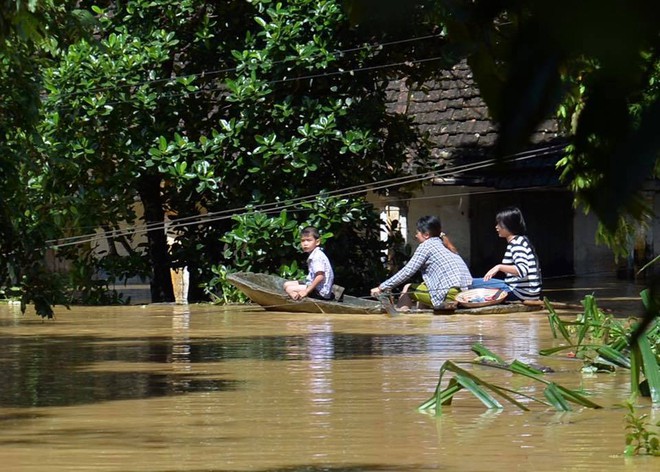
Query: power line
point(200, 91)
point(276, 207)
point(205, 74)
point(295, 202)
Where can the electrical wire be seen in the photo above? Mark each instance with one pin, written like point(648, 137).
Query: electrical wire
point(205, 74)
point(277, 207)
point(188, 93)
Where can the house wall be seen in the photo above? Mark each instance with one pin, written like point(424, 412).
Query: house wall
point(589, 258)
point(450, 204)
point(453, 205)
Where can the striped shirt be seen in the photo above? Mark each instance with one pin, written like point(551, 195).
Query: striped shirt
point(519, 253)
point(441, 270)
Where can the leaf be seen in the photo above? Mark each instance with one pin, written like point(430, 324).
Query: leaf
point(552, 350)
point(483, 396)
point(523, 368)
point(614, 356)
point(650, 367)
point(481, 350)
point(555, 398)
point(556, 322)
point(575, 397)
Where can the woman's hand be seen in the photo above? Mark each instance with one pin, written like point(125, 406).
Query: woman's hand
point(375, 292)
point(492, 272)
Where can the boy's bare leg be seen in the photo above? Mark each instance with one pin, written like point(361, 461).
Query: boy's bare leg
point(294, 288)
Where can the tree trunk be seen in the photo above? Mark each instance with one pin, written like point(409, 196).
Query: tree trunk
point(154, 216)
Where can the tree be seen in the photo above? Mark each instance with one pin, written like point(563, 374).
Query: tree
point(31, 34)
point(198, 108)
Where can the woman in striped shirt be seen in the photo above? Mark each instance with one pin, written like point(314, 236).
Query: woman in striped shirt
point(520, 264)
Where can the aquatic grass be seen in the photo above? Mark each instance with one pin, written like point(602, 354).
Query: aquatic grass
point(644, 361)
point(556, 395)
point(486, 354)
point(556, 323)
point(604, 344)
point(592, 326)
point(643, 349)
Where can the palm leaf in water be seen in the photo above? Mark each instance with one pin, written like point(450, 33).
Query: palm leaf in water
point(557, 395)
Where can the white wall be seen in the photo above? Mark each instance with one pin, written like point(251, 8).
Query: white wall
point(450, 204)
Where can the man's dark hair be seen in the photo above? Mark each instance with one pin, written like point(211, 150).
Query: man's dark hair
point(512, 219)
point(429, 224)
point(310, 231)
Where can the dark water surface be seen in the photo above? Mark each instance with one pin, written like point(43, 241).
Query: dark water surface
point(199, 388)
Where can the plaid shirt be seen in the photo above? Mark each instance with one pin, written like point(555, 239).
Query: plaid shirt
point(441, 270)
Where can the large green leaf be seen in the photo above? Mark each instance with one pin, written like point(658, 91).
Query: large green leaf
point(555, 398)
point(483, 351)
point(650, 367)
point(575, 397)
point(475, 389)
point(614, 356)
point(556, 324)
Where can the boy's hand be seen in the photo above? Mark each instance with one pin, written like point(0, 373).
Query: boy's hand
point(300, 295)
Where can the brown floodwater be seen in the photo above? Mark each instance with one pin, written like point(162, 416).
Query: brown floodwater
point(202, 388)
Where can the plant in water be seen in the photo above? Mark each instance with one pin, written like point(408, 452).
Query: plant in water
point(556, 395)
point(592, 330)
point(603, 343)
point(640, 439)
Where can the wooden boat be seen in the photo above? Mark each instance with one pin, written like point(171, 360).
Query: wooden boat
point(268, 291)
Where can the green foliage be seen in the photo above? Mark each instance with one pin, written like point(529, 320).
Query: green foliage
point(261, 243)
point(640, 438)
point(160, 108)
point(592, 330)
point(603, 343)
point(31, 36)
point(220, 290)
point(556, 395)
point(257, 240)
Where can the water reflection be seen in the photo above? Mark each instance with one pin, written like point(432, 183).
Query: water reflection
point(43, 371)
point(193, 388)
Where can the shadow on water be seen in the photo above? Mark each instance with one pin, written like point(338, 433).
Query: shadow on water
point(621, 297)
point(53, 372)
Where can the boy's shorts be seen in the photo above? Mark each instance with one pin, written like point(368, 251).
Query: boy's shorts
point(420, 293)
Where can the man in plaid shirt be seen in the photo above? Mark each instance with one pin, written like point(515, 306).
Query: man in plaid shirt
point(442, 270)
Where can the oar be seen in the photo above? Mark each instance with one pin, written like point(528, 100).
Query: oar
point(388, 305)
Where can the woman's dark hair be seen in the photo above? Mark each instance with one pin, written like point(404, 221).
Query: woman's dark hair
point(429, 224)
point(512, 219)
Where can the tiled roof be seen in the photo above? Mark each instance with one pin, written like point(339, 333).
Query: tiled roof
point(456, 120)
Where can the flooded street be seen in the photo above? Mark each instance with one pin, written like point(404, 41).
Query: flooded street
point(199, 388)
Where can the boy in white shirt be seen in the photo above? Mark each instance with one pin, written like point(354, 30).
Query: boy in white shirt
point(320, 276)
